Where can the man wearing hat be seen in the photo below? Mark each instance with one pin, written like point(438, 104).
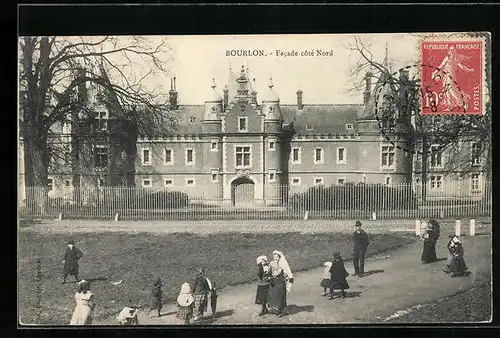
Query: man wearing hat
point(360, 239)
point(71, 257)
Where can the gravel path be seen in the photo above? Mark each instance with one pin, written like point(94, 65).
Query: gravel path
point(397, 281)
point(483, 225)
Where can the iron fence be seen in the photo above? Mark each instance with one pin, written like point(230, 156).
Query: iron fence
point(362, 201)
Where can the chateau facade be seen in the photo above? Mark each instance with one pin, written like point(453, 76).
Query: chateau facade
point(245, 148)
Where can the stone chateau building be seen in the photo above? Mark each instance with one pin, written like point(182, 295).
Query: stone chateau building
point(237, 149)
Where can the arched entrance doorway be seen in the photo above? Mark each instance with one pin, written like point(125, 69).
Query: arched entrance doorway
point(242, 192)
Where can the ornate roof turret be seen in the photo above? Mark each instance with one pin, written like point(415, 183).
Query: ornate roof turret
point(213, 96)
point(270, 95)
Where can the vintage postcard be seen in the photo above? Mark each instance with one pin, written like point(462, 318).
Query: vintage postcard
point(255, 179)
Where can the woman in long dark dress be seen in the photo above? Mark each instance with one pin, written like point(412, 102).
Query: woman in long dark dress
point(280, 275)
point(430, 238)
point(457, 266)
point(338, 275)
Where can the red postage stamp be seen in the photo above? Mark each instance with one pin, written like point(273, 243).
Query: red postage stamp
point(452, 77)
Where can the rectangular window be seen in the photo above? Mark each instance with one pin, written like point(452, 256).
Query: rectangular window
point(296, 156)
point(214, 173)
point(190, 159)
point(243, 156)
point(190, 182)
point(50, 184)
point(295, 180)
point(349, 126)
point(169, 157)
point(67, 183)
point(100, 182)
point(192, 119)
point(272, 175)
point(101, 156)
point(309, 127)
point(242, 124)
point(436, 182)
point(318, 155)
point(475, 153)
point(272, 145)
point(146, 157)
point(341, 180)
point(169, 182)
point(341, 156)
point(388, 154)
point(147, 183)
point(474, 182)
point(436, 157)
point(388, 180)
point(102, 120)
point(214, 145)
point(318, 181)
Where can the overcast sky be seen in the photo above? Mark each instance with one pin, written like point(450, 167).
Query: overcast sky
point(196, 59)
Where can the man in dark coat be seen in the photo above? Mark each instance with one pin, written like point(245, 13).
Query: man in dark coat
point(361, 241)
point(71, 257)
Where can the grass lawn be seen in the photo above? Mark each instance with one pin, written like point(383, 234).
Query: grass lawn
point(472, 305)
point(228, 259)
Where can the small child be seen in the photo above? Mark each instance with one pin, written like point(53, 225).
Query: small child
point(157, 296)
point(325, 283)
point(185, 304)
point(338, 275)
point(213, 298)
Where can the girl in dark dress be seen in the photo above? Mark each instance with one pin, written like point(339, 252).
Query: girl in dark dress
point(262, 284)
point(447, 269)
point(70, 261)
point(430, 238)
point(156, 294)
point(338, 275)
point(458, 266)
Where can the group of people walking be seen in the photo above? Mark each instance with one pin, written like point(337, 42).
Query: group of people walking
point(455, 264)
point(275, 279)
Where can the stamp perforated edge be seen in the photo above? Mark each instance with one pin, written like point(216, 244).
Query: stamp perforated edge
point(460, 37)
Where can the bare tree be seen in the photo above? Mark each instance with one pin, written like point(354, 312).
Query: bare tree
point(396, 105)
point(54, 76)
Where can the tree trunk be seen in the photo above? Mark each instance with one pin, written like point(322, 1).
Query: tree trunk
point(35, 173)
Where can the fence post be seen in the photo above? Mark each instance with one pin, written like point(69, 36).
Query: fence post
point(60, 217)
point(472, 227)
point(117, 217)
point(306, 215)
point(374, 216)
point(458, 227)
point(423, 225)
point(441, 214)
point(417, 228)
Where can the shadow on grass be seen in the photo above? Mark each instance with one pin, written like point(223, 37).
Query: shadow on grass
point(96, 279)
point(348, 294)
point(210, 319)
point(294, 309)
point(371, 272)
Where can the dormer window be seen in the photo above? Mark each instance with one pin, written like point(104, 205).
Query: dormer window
point(102, 120)
point(242, 124)
point(309, 127)
point(349, 126)
point(192, 119)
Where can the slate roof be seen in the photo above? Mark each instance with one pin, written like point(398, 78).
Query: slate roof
point(323, 118)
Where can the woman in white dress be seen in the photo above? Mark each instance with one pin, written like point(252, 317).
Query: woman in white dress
point(84, 310)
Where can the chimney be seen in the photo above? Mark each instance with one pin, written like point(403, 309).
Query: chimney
point(173, 95)
point(404, 75)
point(82, 85)
point(254, 93)
point(226, 97)
point(300, 105)
point(368, 88)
